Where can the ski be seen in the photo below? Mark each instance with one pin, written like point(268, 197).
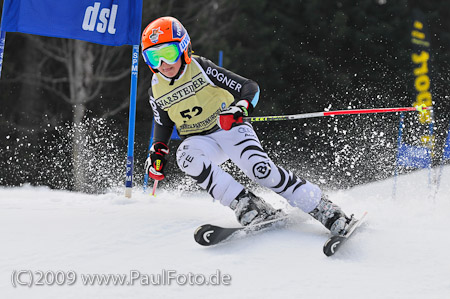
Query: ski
point(209, 234)
point(333, 244)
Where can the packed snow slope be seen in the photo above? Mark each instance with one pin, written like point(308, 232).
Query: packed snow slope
point(401, 251)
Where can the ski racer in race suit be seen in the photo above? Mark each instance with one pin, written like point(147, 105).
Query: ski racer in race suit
point(206, 103)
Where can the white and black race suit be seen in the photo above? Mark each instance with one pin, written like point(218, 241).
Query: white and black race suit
point(192, 103)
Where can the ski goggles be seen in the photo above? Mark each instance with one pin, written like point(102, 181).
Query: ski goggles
point(169, 53)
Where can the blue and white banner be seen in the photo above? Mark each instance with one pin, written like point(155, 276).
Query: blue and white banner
point(107, 22)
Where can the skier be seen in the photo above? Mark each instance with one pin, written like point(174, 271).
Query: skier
point(206, 103)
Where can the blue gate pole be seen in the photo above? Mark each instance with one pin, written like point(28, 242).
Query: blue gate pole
point(431, 147)
point(445, 151)
point(399, 143)
point(221, 58)
point(132, 121)
point(145, 185)
point(2, 48)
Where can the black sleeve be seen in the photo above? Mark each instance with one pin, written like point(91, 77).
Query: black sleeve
point(163, 124)
point(241, 88)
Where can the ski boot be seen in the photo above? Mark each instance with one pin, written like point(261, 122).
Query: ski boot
point(250, 209)
point(331, 216)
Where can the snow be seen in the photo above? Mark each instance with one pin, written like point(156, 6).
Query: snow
point(400, 252)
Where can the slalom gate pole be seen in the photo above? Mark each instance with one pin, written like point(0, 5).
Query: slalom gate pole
point(2, 48)
point(132, 122)
point(431, 147)
point(145, 184)
point(333, 113)
point(441, 163)
point(146, 177)
point(399, 142)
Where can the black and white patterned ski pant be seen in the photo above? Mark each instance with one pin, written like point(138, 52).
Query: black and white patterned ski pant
point(199, 157)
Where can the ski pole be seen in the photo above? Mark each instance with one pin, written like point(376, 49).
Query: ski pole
point(155, 185)
point(333, 113)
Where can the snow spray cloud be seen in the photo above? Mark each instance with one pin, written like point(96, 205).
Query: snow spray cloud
point(46, 156)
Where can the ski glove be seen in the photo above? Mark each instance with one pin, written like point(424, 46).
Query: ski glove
point(155, 163)
point(233, 115)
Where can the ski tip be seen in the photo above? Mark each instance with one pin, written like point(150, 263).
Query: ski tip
point(332, 245)
point(363, 216)
point(203, 235)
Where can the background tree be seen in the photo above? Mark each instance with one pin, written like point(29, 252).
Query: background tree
point(305, 55)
